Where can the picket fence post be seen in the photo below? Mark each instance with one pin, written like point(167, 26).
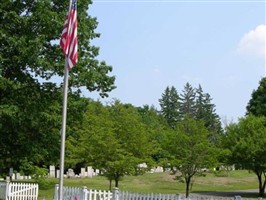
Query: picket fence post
point(84, 193)
point(7, 188)
point(56, 191)
point(177, 197)
point(115, 193)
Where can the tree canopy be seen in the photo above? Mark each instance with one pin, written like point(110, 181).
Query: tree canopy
point(194, 103)
point(170, 106)
point(114, 140)
point(246, 143)
point(190, 150)
point(257, 104)
point(31, 63)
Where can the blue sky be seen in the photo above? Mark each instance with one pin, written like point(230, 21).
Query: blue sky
point(154, 44)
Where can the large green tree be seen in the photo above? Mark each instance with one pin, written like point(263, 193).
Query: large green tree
point(133, 145)
point(257, 104)
point(29, 129)
point(155, 128)
point(190, 150)
point(246, 143)
point(30, 61)
point(29, 44)
point(113, 139)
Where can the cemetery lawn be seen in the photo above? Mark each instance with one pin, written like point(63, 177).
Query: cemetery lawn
point(160, 183)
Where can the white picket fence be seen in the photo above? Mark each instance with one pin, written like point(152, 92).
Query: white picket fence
point(122, 195)
point(74, 193)
point(18, 191)
point(71, 193)
point(2, 190)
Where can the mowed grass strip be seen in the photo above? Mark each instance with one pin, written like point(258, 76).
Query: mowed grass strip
point(161, 183)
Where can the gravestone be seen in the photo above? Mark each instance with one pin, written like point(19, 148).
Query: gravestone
point(82, 173)
point(158, 169)
point(57, 175)
point(17, 176)
point(11, 173)
point(97, 172)
point(70, 173)
point(90, 171)
point(52, 171)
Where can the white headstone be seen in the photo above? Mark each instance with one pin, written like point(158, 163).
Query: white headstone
point(158, 169)
point(97, 172)
point(70, 173)
point(52, 171)
point(90, 171)
point(57, 173)
point(17, 176)
point(82, 173)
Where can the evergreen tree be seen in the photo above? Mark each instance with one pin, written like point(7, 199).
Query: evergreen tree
point(205, 110)
point(200, 103)
point(194, 103)
point(170, 106)
point(188, 101)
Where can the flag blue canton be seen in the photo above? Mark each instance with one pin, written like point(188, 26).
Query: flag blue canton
point(74, 4)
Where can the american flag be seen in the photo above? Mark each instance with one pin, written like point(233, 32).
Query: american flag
point(69, 38)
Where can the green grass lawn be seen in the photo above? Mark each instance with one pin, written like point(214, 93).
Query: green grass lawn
point(160, 183)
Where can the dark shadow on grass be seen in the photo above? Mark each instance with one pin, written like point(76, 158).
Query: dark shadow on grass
point(242, 193)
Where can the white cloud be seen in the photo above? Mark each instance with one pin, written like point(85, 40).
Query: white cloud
point(253, 42)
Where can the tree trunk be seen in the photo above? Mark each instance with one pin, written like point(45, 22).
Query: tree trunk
point(187, 186)
point(116, 178)
point(110, 184)
point(262, 183)
point(116, 182)
point(261, 192)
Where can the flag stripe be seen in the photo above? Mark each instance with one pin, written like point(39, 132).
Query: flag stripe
point(69, 38)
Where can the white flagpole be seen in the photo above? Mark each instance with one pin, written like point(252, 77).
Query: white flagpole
point(63, 131)
point(65, 90)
